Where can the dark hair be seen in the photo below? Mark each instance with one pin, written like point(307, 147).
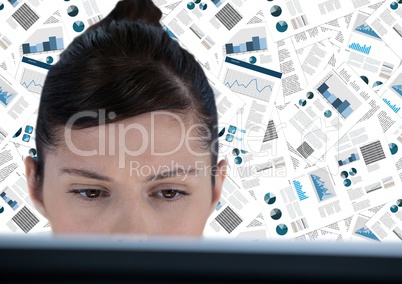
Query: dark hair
point(127, 64)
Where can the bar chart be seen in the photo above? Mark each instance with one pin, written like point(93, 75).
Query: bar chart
point(11, 198)
point(300, 193)
point(44, 41)
point(335, 92)
point(7, 94)
point(247, 40)
point(364, 49)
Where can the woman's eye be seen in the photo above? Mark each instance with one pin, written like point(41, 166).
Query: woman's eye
point(170, 195)
point(89, 194)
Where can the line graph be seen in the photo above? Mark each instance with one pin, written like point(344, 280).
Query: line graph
point(248, 85)
point(33, 81)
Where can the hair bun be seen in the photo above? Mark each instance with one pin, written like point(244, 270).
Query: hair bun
point(133, 10)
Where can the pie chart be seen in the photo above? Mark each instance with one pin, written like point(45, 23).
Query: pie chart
point(327, 113)
point(377, 83)
point(1, 6)
point(281, 26)
point(394, 5)
point(394, 208)
point(281, 229)
point(190, 5)
point(276, 214)
point(238, 160)
point(49, 60)
point(276, 11)
point(253, 60)
point(365, 79)
point(302, 102)
point(270, 198)
point(347, 182)
point(344, 174)
point(78, 26)
point(72, 11)
point(399, 202)
point(352, 171)
point(310, 95)
point(203, 6)
point(393, 148)
point(1, 209)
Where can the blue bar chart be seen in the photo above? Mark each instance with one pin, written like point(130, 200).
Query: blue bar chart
point(14, 2)
point(7, 94)
point(52, 44)
point(300, 193)
point(338, 95)
point(11, 199)
point(44, 41)
point(364, 49)
point(247, 40)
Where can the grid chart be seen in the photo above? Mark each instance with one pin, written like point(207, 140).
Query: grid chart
point(271, 133)
point(249, 85)
point(25, 16)
point(372, 152)
point(228, 16)
point(25, 219)
point(305, 150)
point(33, 81)
point(228, 219)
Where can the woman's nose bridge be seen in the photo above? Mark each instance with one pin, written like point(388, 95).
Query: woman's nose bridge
point(131, 215)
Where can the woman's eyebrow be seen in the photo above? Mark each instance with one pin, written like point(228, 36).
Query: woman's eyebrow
point(85, 173)
point(173, 173)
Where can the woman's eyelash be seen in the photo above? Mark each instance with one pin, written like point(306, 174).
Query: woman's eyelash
point(169, 200)
point(96, 194)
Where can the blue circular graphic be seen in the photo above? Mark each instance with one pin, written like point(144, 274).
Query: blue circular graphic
point(352, 171)
point(276, 214)
point(347, 182)
point(281, 26)
point(327, 113)
point(344, 174)
point(238, 160)
point(270, 198)
point(203, 6)
point(310, 95)
point(78, 26)
point(393, 148)
point(190, 5)
point(394, 208)
point(235, 152)
point(394, 5)
point(399, 202)
point(252, 59)
point(302, 102)
point(49, 60)
point(1, 6)
point(281, 229)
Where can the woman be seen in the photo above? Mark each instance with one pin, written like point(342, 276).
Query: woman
point(126, 133)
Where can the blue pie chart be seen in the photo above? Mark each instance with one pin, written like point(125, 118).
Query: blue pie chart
point(352, 171)
point(394, 208)
point(72, 11)
point(1, 209)
point(302, 102)
point(393, 148)
point(281, 26)
point(190, 5)
point(238, 160)
point(327, 113)
point(347, 182)
point(270, 198)
point(281, 229)
point(1, 6)
point(394, 5)
point(252, 59)
point(399, 202)
point(49, 60)
point(276, 214)
point(78, 26)
point(276, 11)
point(203, 6)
